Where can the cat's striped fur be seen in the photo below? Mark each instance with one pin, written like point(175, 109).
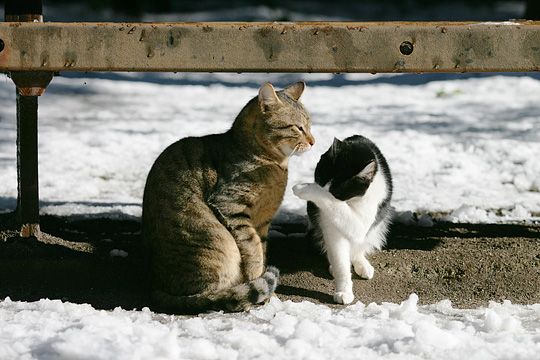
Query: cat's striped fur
point(208, 203)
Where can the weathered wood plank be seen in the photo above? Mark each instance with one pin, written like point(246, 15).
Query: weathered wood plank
point(271, 47)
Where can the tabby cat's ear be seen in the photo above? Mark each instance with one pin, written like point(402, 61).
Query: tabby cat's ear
point(268, 97)
point(295, 90)
point(369, 171)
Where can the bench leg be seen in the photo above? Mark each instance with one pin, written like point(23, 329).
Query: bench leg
point(31, 85)
point(27, 165)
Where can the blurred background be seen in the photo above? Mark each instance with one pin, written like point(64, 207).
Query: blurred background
point(287, 10)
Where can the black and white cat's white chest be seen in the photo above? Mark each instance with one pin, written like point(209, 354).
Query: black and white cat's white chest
point(355, 171)
point(369, 206)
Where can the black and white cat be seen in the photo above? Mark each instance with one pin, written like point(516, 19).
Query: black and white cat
point(349, 208)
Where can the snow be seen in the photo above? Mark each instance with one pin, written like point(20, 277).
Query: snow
point(51, 329)
point(461, 148)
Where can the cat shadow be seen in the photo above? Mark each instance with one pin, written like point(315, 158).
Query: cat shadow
point(294, 254)
point(289, 290)
point(300, 258)
point(298, 252)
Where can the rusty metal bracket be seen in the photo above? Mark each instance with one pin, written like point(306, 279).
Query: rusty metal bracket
point(24, 18)
point(30, 83)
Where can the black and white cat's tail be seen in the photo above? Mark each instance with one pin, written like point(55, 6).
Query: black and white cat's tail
point(238, 298)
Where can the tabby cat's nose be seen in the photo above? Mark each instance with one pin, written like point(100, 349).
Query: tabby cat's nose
point(311, 140)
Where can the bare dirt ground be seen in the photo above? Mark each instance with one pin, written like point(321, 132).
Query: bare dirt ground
point(468, 264)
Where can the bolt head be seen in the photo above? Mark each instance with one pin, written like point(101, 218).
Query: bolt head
point(406, 48)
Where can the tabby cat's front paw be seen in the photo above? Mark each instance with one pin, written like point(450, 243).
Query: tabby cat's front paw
point(343, 297)
point(307, 191)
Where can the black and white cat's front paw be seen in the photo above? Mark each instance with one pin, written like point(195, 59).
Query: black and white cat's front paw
point(308, 191)
point(343, 297)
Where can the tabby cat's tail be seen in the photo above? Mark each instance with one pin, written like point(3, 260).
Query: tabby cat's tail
point(238, 298)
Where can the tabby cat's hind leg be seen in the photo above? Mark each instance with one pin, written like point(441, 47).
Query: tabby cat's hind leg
point(242, 297)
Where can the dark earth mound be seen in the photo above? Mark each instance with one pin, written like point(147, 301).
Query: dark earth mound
point(468, 264)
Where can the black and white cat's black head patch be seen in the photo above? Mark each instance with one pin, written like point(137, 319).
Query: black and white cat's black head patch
point(348, 167)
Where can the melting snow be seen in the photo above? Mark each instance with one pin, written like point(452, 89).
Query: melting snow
point(50, 329)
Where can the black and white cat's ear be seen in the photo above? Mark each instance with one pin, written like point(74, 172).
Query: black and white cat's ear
point(369, 171)
point(295, 90)
point(335, 146)
point(268, 97)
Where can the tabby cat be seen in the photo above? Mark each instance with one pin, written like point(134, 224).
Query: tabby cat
point(208, 203)
point(349, 208)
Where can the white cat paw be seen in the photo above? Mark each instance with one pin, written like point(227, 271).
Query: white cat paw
point(343, 297)
point(365, 271)
point(306, 191)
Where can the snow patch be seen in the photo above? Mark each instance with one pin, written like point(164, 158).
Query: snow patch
point(277, 330)
point(471, 152)
point(467, 213)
